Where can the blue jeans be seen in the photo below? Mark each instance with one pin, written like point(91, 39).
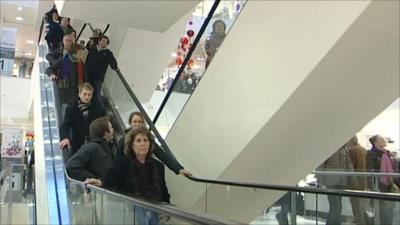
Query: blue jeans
point(145, 217)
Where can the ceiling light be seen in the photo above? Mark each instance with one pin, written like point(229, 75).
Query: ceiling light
point(29, 42)
point(19, 8)
point(19, 18)
point(173, 54)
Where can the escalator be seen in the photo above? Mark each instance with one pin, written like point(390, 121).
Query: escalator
point(99, 206)
point(75, 203)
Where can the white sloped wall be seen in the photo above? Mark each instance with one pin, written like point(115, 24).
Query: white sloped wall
point(292, 82)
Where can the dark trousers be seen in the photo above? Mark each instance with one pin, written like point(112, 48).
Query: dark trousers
point(335, 207)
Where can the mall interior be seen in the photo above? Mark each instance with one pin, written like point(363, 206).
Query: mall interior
point(259, 101)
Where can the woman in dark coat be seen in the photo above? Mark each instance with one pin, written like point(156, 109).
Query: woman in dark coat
point(136, 119)
point(138, 174)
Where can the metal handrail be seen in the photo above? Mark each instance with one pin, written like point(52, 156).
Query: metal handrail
point(81, 31)
point(340, 192)
point(145, 115)
point(159, 208)
point(355, 173)
point(187, 58)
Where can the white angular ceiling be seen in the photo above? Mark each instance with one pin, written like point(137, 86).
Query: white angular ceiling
point(155, 16)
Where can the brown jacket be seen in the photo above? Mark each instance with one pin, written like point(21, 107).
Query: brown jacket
point(358, 156)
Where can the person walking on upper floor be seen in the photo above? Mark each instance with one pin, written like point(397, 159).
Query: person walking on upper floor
point(77, 118)
point(136, 120)
point(358, 157)
point(379, 160)
point(63, 69)
point(94, 159)
point(339, 161)
point(97, 62)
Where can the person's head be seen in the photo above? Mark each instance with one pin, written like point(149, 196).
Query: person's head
point(96, 32)
point(54, 16)
point(102, 128)
point(68, 40)
point(378, 141)
point(65, 21)
point(139, 143)
point(82, 43)
point(104, 41)
point(73, 33)
point(136, 120)
point(85, 92)
point(219, 26)
point(353, 141)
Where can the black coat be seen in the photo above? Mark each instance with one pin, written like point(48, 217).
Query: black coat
point(75, 127)
point(93, 160)
point(97, 62)
point(124, 174)
point(167, 159)
point(67, 89)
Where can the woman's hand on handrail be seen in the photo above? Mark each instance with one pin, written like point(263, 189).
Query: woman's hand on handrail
point(92, 181)
point(184, 172)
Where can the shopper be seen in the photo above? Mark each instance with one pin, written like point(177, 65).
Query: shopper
point(379, 160)
point(63, 69)
point(138, 174)
point(358, 157)
point(54, 34)
point(97, 62)
point(339, 161)
point(136, 120)
point(77, 118)
point(94, 159)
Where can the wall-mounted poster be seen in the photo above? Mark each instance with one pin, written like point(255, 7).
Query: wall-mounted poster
point(7, 50)
point(12, 143)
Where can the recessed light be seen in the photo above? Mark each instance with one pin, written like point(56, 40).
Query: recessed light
point(19, 8)
point(19, 18)
point(29, 42)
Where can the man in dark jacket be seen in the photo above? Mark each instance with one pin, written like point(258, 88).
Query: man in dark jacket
point(94, 159)
point(97, 61)
point(63, 68)
point(77, 119)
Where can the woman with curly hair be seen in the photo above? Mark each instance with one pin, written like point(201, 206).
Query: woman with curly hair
point(138, 175)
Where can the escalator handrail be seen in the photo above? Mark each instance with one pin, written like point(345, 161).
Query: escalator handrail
point(159, 208)
point(340, 192)
point(357, 173)
point(187, 58)
point(145, 115)
point(81, 31)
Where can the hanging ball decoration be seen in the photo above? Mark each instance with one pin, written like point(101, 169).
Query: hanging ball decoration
point(185, 40)
point(190, 33)
point(178, 61)
point(191, 62)
point(238, 7)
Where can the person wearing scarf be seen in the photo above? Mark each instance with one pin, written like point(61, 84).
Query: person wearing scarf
point(75, 126)
point(378, 160)
point(63, 69)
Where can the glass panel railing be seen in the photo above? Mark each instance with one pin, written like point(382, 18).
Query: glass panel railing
point(181, 79)
point(17, 203)
point(278, 204)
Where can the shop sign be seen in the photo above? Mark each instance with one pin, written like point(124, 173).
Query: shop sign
point(7, 50)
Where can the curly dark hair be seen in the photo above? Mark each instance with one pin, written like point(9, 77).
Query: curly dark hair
point(145, 177)
point(130, 138)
